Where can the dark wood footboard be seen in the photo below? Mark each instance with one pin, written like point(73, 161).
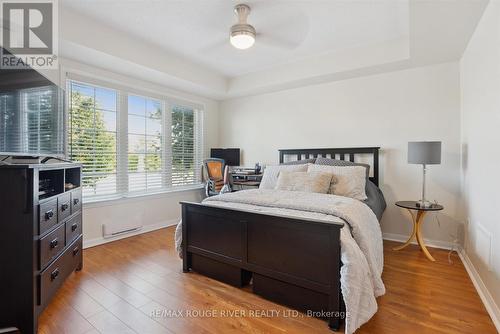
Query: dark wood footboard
point(293, 261)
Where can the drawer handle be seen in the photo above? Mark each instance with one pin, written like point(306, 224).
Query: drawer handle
point(74, 227)
point(64, 207)
point(75, 251)
point(49, 214)
point(54, 243)
point(54, 274)
point(76, 201)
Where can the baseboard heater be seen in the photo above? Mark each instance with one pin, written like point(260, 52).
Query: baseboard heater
point(111, 230)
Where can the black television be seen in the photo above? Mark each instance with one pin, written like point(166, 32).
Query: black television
point(230, 155)
point(31, 114)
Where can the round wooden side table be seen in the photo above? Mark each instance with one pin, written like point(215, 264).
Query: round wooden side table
point(417, 214)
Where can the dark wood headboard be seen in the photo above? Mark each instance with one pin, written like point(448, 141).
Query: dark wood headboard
point(342, 154)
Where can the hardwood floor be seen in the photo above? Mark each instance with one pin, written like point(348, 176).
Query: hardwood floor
point(128, 286)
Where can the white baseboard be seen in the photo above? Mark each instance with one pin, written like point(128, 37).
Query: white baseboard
point(145, 229)
point(482, 290)
point(428, 242)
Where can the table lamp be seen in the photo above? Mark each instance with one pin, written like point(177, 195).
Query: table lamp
point(424, 153)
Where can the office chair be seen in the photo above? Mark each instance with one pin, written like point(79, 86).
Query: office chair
point(217, 177)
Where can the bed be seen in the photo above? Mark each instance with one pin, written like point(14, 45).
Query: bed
point(288, 244)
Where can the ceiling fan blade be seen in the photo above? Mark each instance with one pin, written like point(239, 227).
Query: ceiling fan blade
point(286, 33)
point(218, 45)
point(276, 41)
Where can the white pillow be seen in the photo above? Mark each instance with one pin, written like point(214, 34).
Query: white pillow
point(270, 177)
point(311, 182)
point(350, 180)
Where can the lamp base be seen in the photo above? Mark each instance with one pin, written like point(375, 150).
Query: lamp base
point(424, 203)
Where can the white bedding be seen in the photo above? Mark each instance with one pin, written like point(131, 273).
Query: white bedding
point(361, 239)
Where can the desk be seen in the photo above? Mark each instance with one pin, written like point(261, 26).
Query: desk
point(247, 183)
point(240, 181)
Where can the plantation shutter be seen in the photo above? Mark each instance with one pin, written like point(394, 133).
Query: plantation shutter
point(131, 143)
point(42, 127)
point(147, 167)
point(187, 145)
point(9, 120)
point(31, 121)
point(93, 114)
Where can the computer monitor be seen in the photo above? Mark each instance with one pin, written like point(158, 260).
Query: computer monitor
point(230, 155)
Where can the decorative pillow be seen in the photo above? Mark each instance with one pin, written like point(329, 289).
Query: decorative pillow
point(300, 162)
point(311, 182)
point(335, 162)
point(351, 180)
point(271, 173)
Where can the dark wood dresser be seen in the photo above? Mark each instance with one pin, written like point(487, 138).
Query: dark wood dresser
point(40, 238)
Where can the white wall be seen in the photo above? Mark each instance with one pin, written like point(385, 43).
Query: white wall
point(480, 82)
point(386, 110)
point(152, 211)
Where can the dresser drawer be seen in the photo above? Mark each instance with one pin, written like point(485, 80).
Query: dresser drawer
point(73, 228)
point(47, 216)
point(76, 200)
point(51, 278)
point(64, 206)
point(51, 245)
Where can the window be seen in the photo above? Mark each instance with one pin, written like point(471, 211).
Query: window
point(185, 166)
point(93, 142)
point(40, 121)
point(131, 143)
point(9, 119)
point(146, 165)
point(31, 121)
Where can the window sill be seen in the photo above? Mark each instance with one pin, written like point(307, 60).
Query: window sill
point(107, 201)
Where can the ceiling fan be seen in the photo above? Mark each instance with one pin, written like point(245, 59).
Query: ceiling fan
point(242, 34)
point(284, 29)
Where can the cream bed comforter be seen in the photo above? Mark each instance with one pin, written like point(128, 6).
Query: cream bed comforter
point(360, 239)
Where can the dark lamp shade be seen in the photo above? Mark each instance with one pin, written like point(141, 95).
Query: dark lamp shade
point(424, 152)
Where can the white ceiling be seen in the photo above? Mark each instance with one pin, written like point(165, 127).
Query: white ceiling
point(287, 30)
point(183, 44)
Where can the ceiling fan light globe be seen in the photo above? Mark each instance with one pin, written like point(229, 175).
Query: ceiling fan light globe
point(242, 41)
